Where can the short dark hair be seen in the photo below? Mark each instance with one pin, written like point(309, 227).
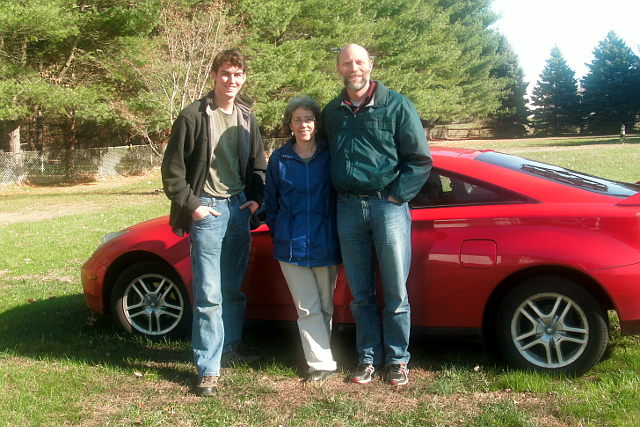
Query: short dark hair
point(302, 101)
point(233, 57)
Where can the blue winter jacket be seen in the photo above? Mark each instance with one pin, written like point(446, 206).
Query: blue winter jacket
point(300, 205)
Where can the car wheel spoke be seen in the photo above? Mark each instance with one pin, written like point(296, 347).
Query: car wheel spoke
point(526, 314)
point(168, 313)
point(140, 293)
point(573, 330)
point(558, 349)
point(536, 310)
point(171, 306)
point(131, 307)
point(525, 335)
point(143, 285)
point(565, 312)
point(532, 344)
point(170, 287)
point(139, 313)
point(574, 340)
point(556, 307)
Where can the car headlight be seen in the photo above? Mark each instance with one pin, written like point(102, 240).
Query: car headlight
point(112, 236)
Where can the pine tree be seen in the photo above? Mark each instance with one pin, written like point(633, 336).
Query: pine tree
point(439, 53)
point(612, 87)
point(50, 59)
point(511, 119)
point(556, 98)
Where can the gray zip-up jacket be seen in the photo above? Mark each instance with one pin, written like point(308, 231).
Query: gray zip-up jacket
point(187, 158)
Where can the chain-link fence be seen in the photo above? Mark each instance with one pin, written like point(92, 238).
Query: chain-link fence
point(63, 166)
point(60, 166)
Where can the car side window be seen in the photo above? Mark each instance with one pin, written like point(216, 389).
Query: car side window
point(447, 189)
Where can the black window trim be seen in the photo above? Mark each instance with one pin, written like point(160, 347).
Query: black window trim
point(518, 198)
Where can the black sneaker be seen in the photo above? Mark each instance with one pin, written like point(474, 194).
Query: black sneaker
point(238, 356)
point(398, 374)
point(207, 386)
point(363, 373)
point(316, 376)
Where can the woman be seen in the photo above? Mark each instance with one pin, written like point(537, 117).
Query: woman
point(300, 212)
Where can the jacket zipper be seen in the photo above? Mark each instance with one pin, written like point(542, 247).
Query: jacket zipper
point(308, 191)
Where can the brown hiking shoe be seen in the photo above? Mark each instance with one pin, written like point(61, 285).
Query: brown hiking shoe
point(207, 385)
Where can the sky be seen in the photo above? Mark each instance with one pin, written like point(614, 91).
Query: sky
point(533, 27)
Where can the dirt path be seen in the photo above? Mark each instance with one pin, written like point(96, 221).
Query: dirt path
point(55, 204)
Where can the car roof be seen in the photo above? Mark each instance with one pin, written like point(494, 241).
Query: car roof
point(465, 161)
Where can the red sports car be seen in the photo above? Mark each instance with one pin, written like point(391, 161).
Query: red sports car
point(527, 255)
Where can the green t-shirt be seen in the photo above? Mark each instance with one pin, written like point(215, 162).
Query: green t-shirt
point(224, 175)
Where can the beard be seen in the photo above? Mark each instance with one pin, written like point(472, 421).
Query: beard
point(355, 83)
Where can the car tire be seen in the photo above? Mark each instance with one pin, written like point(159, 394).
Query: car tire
point(150, 299)
point(552, 325)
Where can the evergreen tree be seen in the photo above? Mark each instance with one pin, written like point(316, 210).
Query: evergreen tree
point(87, 63)
point(511, 119)
point(556, 97)
point(612, 87)
point(438, 53)
point(50, 59)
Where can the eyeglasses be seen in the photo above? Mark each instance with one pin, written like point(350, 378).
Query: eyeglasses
point(303, 120)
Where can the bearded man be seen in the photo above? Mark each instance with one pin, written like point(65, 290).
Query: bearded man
point(379, 161)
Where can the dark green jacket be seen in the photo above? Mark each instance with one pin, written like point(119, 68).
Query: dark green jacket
point(187, 158)
point(382, 148)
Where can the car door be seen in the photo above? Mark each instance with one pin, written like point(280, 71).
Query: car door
point(457, 226)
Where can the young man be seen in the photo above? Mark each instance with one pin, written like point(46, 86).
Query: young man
point(213, 173)
point(379, 161)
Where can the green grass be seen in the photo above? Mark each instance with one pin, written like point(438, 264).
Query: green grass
point(60, 365)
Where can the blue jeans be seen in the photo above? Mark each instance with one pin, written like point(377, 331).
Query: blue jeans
point(219, 255)
point(365, 224)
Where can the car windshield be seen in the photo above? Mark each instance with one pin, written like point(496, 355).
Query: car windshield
point(560, 174)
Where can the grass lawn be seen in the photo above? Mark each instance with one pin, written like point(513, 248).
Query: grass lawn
point(61, 365)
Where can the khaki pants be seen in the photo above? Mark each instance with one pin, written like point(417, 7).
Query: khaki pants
point(312, 292)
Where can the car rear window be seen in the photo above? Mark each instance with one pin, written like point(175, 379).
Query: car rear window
point(446, 188)
point(560, 174)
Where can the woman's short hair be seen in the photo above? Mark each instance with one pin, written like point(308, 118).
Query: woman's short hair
point(302, 101)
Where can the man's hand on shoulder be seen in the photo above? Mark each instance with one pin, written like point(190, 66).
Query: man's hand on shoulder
point(253, 206)
point(204, 211)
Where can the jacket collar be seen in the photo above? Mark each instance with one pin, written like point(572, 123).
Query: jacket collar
point(287, 148)
point(367, 100)
point(380, 96)
point(242, 101)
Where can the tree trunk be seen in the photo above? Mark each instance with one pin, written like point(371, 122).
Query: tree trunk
point(16, 165)
point(70, 145)
point(70, 58)
point(14, 139)
point(39, 134)
point(23, 50)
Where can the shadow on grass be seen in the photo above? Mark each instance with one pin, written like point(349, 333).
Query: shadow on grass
point(63, 328)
